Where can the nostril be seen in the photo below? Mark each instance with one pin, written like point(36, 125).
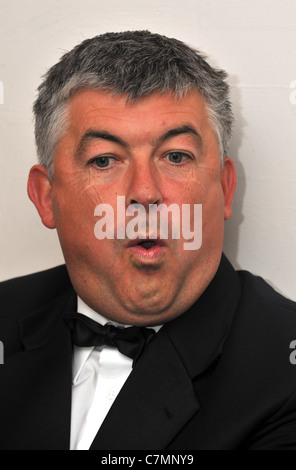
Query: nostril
point(155, 203)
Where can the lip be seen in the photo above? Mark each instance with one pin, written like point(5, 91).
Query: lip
point(149, 257)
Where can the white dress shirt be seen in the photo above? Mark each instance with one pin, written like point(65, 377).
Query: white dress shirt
point(98, 375)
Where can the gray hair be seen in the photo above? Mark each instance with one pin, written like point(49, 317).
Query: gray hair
point(135, 63)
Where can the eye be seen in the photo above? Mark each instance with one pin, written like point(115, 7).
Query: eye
point(177, 157)
point(103, 162)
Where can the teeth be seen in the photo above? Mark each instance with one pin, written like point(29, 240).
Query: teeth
point(147, 244)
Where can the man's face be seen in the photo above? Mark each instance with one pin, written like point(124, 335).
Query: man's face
point(159, 149)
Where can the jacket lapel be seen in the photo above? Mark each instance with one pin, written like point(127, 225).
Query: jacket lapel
point(154, 404)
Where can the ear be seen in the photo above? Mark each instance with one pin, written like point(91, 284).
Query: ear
point(39, 191)
point(228, 182)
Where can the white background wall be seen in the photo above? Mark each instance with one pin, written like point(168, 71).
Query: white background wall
point(253, 40)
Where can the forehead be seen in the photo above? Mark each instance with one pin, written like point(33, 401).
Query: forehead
point(148, 116)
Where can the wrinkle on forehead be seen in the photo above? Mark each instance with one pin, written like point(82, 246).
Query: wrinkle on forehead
point(94, 106)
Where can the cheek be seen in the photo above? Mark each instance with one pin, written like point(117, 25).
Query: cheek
point(73, 207)
point(197, 185)
point(73, 211)
point(77, 197)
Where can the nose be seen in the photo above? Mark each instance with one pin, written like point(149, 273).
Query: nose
point(144, 185)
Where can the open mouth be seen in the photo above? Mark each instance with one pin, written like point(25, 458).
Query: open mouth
point(147, 244)
point(149, 252)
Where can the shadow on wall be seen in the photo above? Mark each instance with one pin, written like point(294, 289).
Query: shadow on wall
point(232, 226)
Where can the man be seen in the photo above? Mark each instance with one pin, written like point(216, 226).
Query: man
point(140, 118)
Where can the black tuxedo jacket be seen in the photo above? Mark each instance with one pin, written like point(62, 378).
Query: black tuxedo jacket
point(218, 377)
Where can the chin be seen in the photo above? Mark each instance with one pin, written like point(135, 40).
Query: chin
point(152, 310)
point(149, 308)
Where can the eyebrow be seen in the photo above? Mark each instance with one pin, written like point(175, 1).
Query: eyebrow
point(106, 135)
point(102, 135)
point(186, 129)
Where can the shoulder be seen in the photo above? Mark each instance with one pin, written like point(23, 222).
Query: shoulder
point(30, 292)
point(264, 303)
point(262, 334)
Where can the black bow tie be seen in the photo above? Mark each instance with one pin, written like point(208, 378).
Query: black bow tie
point(130, 341)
